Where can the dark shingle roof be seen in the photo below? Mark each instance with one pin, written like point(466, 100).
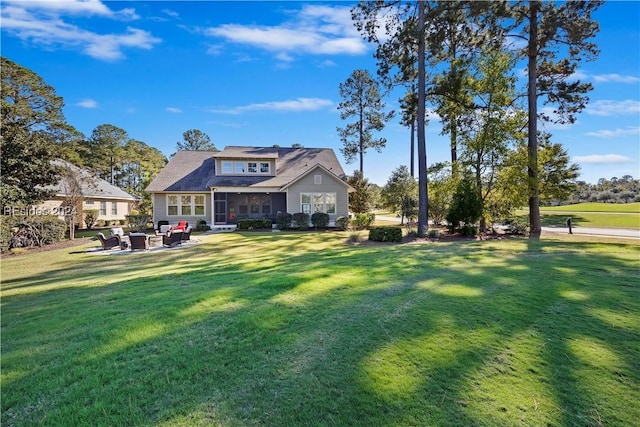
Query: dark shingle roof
point(186, 171)
point(91, 185)
point(194, 170)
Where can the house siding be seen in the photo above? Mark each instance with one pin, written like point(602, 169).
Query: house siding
point(329, 185)
point(160, 209)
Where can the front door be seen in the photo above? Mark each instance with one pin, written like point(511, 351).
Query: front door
point(220, 211)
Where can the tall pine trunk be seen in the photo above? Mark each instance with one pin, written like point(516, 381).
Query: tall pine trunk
point(535, 227)
point(423, 201)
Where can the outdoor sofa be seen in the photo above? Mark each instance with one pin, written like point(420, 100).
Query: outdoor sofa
point(172, 238)
point(139, 241)
point(110, 242)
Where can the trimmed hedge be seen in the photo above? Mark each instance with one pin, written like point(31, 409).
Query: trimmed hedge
point(283, 220)
point(320, 219)
point(302, 220)
point(250, 224)
point(202, 226)
point(364, 220)
point(385, 234)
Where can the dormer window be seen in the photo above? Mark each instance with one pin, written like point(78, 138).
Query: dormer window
point(248, 167)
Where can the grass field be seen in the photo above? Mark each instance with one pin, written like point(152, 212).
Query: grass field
point(304, 329)
point(598, 215)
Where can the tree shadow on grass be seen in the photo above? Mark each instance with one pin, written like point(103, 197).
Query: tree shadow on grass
point(478, 333)
point(557, 220)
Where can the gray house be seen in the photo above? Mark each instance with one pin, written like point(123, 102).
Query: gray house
point(221, 187)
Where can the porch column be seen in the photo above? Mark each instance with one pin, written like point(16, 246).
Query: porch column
point(212, 212)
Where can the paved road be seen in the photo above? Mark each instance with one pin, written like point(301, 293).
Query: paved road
point(610, 232)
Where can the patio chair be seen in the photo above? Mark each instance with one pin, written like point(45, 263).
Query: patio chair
point(139, 241)
point(186, 234)
point(109, 242)
point(172, 238)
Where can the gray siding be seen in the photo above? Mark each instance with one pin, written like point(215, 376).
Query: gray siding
point(160, 210)
point(329, 185)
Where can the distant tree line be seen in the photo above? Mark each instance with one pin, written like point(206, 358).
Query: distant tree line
point(35, 134)
point(614, 190)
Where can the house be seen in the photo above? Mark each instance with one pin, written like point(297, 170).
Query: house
point(222, 187)
point(111, 202)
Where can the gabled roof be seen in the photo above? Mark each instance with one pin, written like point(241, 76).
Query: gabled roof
point(92, 186)
point(195, 170)
point(186, 171)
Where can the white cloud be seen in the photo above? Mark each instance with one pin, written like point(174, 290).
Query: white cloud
point(316, 30)
point(616, 78)
point(292, 105)
point(327, 63)
point(613, 108)
point(616, 133)
point(42, 23)
point(602, 159)
point(173, 110)
point(88, 103)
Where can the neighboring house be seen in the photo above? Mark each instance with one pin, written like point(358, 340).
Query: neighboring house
point(222, 187)
point(111, 202)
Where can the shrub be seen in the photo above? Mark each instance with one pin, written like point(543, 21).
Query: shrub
point(342, 223)
point(90, 217)
point(320, 219)
point(469, 230)
point(283, 220)
point(517, 225)
point(302, 220)
point(250, 224)
point(385, 234)
point(202, 226)
point(137, 223)
point(433, 233)
point(364, 220)
point(32, 231)
point(122, 221)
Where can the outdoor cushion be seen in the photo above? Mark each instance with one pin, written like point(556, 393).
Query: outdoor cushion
point(182, 225)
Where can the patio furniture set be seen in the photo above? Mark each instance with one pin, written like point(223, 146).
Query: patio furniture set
point(167, 236)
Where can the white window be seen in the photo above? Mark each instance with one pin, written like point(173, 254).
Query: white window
point(88, 202)
point(305, 203)
point(114, 208)
point(318, 202)
point(103, 208)
point(172, 205)
point(252, 167)
point(330, 203)
point(186, 205)
point(239, 167)
point(227, 167)
point(198, 205)
point(317, 179)
point(264, 167)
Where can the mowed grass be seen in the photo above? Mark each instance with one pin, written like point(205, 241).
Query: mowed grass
point(598, 215)
point(304, 329)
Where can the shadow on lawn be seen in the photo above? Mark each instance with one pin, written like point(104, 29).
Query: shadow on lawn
point(376, 335)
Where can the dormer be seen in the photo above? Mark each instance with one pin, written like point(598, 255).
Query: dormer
point(246, 161)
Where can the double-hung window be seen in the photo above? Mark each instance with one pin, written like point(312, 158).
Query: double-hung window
point(186, 205)
point(311, 203)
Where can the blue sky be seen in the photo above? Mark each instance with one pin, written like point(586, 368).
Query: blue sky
point(265, 73)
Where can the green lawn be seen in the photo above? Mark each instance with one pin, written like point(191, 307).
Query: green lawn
point(287, 329)
point(596, 207)
point(599, 215)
